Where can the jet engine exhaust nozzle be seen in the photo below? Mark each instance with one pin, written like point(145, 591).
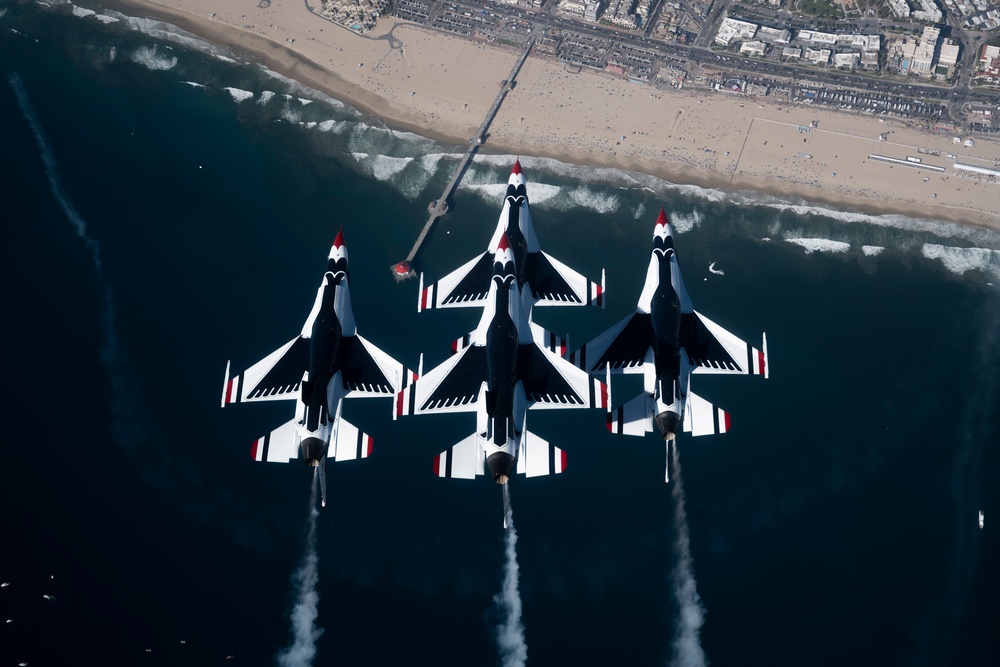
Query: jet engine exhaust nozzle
point(313, 451)
point(501, 466)
point(668, 422)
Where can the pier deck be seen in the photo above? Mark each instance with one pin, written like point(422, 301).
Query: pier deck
point(437, 208)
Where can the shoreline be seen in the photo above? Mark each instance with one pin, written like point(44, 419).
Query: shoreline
point(412, 88)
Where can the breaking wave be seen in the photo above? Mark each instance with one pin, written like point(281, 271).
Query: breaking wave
point(416, 167)
point(820, 245)
point(960, 260)
point(239, 95)
point(151, 58)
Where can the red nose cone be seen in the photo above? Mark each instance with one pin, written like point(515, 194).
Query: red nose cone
point(339, 241)
point(504, 243)
point(517, 167)
point(662, 218)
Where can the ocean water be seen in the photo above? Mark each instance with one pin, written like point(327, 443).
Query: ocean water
point(169, 207)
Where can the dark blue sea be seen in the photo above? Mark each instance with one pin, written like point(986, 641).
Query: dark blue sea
point(160, 221)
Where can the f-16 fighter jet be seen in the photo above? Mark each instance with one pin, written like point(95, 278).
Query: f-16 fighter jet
point(541, 278)
point(498, 372)
point(327, 362)
point(668, 341)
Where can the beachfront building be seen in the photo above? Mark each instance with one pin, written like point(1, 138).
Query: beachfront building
point(948, 58)
point(928, 11)
point(732, 30)
point(620, 14)
point(899, 9)
point(573, 7)
point(755, 48)
point(817, 56)
point(923, 56)
point(988, 67)
point(592, 10)
point(846, 60)
point(777, 36)
point(357, 15)
point(791, 52)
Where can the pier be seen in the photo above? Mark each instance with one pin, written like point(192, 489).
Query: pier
point(437, 208)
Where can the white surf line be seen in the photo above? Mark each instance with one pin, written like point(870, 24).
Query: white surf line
point(510, 633)
point(687, 651)
point(305, 634)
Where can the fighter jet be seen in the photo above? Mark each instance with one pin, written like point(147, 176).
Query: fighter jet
point(541, 278)
point(668, 341)
point(499, 371)
point(327, 362)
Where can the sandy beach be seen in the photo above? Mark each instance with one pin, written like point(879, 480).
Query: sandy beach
point(442, 86)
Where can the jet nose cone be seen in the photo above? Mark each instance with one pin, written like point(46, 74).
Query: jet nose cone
point(663, 231)
point(517, 167)
point(339, 241)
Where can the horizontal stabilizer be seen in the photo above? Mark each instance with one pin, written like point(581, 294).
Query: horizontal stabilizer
point(464, 460)
point(703, 418)
point(351, 443)
point(634, 417)
point(537, 457)
point(279, 446)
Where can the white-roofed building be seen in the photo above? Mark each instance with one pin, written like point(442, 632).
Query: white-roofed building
point(848, 60)
point(773, 35)
point(756, 48)
point(817, 56)
point(949, 53)
point(791, 52)
point(923, 57)
point(732, 30)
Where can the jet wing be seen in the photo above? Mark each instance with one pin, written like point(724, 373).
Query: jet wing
point(367, 370)
point(623, 346)
point(555, 284)
point(551, 382)
point(712, 349)
point(453, 386)
point(467, 285)
point(277, 376)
